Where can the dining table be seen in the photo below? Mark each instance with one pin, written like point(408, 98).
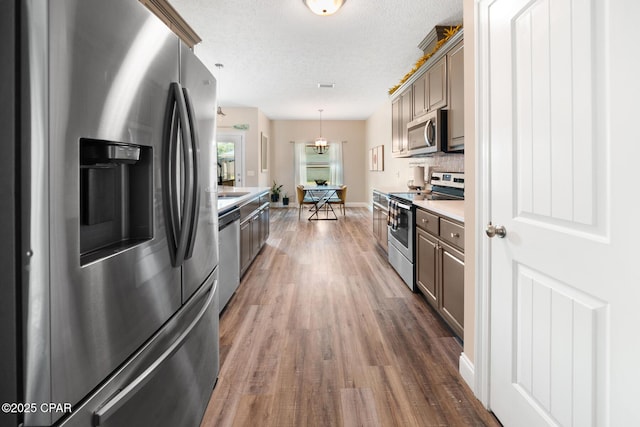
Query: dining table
point(321, 196)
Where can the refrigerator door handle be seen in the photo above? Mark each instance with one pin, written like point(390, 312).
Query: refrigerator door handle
point(170, 174)
point(179, 225)
point(195, 172)
point(115, 403)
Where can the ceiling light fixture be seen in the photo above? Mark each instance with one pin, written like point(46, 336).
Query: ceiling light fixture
point(220, 67)
point(321, 145)
point(324, 7)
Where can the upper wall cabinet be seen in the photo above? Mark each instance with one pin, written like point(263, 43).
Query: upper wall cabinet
point(420, 96)
point(396, 126)
point(455, 115)
point(430, 89)
point(438, 84)
point(401, 115)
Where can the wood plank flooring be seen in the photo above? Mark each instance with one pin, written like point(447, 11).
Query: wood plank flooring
point(323, 332)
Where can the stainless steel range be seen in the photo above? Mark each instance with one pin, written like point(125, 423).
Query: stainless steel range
point(401, 224)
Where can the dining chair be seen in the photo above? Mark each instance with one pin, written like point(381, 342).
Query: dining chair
point(341, 199)
point(302, 199)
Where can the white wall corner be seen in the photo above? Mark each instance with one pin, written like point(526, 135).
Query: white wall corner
point(467, 371)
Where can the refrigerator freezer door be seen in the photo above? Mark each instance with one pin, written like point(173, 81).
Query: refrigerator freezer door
point(199, 87)
point(168, 383)
point(106, 85)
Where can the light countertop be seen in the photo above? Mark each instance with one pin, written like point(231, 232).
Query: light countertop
point(228, 203)
point(388, 190)
point(453, 209)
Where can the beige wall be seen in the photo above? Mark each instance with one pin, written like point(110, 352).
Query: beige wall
point(351, 131)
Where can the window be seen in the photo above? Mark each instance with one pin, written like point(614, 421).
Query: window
point(311, 166)
point(318, 166)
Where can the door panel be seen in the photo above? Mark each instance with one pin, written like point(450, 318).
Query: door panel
point(113, 86)
point(452, 291)
point(555, 114)
point(201, 86)
point(426, 250)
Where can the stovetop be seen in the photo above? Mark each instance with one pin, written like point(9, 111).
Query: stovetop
point(411, 196)
point(444, 186)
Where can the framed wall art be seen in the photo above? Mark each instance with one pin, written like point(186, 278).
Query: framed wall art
point(264, 152)
point(376, 158)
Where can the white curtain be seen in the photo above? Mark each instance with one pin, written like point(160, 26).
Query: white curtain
point(300, 163)
point(335, 160)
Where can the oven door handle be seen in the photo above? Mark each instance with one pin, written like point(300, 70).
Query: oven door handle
point(403, 206)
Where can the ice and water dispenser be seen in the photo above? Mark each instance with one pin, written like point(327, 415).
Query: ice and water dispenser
point(116, 197)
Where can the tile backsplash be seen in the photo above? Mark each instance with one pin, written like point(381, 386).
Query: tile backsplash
point(447, 163)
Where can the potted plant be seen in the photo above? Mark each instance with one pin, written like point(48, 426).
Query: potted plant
point(285, 199)
point(275, 191)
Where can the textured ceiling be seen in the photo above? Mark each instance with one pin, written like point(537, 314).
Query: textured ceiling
point(275, 52)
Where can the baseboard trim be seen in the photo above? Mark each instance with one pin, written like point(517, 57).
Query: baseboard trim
point(466, 370)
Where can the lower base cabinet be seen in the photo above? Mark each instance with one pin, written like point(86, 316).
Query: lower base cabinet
point(440, 266)
point(254, 230)
point(380, 214)
point(452, 293)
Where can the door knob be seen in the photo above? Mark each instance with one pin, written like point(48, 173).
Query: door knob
point(495, 230)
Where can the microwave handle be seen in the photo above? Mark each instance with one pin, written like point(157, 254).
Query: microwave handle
point(428, 130)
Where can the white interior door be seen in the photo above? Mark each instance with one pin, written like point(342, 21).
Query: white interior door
point(558, 87)
point(230, 158)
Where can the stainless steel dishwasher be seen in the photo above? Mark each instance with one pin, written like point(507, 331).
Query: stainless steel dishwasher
point(229, 249)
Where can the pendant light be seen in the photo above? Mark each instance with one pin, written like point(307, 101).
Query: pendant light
point(324, 7)
point(220, 67)
point(321, 146)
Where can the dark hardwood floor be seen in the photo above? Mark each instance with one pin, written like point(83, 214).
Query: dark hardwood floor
point(322, 332)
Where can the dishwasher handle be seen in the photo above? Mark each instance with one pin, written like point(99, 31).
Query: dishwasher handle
point(228, 218)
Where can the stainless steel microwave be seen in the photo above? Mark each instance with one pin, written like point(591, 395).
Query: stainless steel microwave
point(427, 133)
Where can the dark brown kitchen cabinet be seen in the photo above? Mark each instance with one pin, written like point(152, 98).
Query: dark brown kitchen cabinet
point(437, 85)
point(452, 287)
point(406, 114)
point(380, 214)
point(430, 89)
point(396, 127)
point(455, 115)
point(254, 229)
point(426, 254)
point(420, 96)
point(401, 115)
point(440, 266)
point(246, 248)
point(264, 224)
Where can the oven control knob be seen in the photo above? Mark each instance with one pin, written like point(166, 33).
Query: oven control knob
point(495, 230)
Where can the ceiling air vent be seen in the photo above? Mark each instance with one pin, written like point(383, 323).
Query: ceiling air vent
point(326, 85)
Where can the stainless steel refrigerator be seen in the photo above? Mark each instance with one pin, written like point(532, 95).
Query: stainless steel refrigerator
point(108, 262)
